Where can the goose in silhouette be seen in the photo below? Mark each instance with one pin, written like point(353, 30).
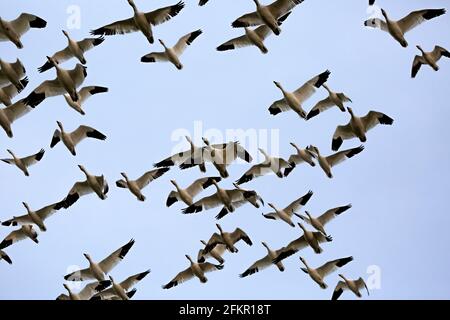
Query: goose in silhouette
point(33, 217)
point(99, 270)
point(8, 92)
point(187, 195)
point(352, 285)
point(11, 113)
point(428, 58)
point(286, 213)
point(294, 100)
point(14, 30)
point(229, 239)
point(194, 270)
point(86, 293)
point(173, 54)
point(320, 222)
point(122, 289)
point(358, 127)
point(13, 73)
point(216, 253)
point(136, 186)
point(140, 21)
point(264, 262)
point(84, 94)
point(398, 29)
point(4, 256)
point(333, 99)
point(266, 14)
point(74, 49)
point(24, 163)
point(23, 233)
point(318, 275)
point(302, 156)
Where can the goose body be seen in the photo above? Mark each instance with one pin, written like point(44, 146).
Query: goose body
point(13, 73)
point(215, 253)
point(318, 275)
point(33, 217)
point(24, 163)
point(187, 195)
point(229, 239)
point(286, 213)
point(302, 156)
point(84, 94)
point(86, 293)
point(428, 58)
point(121, 290)
point(14, 30)
point(136, 186)
point(353, 285)
point(264, 262)
point(319, 222)
point(25, 231)
point(333, 99)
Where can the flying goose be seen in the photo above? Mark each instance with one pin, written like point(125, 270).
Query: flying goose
point(72, 139)
point(187, 195)
point(99, 270)
point(229, 239)
point(86, 293)
point(135, 186)
point(302, 156)
point(308, 239)
point(74, 49)
point(245, 196)
point(270, 164)
point(264, 262)
point(429, 58)
point(320, 222)
point(254, 37)
point(140, 21)
point(24, 163)
point(121, 289)
point(33, 217)
point(84, 94)
point(326, 269)
point(194, 270)
point(10, 91)
point(25, 231)
point(4, 256)
point(294, 100)
point(328, 162)
point(92, 184)
point(358, 127)
point(333, 99)
point(215, 156)
point(13, 73)
point(172, 54)
point(352, 285)
point(66, 81)
point(267, 15)
point(215, 253)
point(286, 213)
point(130, 295)
point(11, 113)
point(398, 29)
point(15, 29)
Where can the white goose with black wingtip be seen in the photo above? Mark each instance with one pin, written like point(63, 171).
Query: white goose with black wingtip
point(122, 289)
point(319, 274)
point(216, 253)
point(13, 73)
point(25, 231)
point(428, 58)
point(320, 222)
point(24, 163)
point(15, 29)
point(352, 285)
point(187, 195)
point(36, 217)
point(173, 54)
point(333, 99)
point(99, 270)
point(86, 293)
point(136, 186)
point(302, 156)
point(229, 239)
point(84, 94)
point(11, 113)
point(264, 262)
point(8, 92)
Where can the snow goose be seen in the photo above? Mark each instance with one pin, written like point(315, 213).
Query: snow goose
point(11, 113)
point(71, 139)
point(352, 285)
point(270, 164)
point(99, 270)
point(229, 239)
point(10, 91)
point(15, 29)
point(215, 253)
point(194, 270)
point(74, 49)
point(187, 195)
point(84, 94)
point(302, 156)
point(254, 37)
point(267, 15)
point(308, 239)
point(264, 262)
point(172, 54)
point(429, 58)
point(358, 127)
point(135, 186)
point(286, 213)
point(215, 157)
point(13, 73)
point(92, 184)
point(294, 100)
point(140, 21)
point(33, 217)
point(319, 274)
point(244, 197)
point(320, 222)
point(66, 81)
point(86, 293)
point(333, 99)
point(4, 256)
point(24, 163)
point(398, 29)
point(24, 232)
point(130, 295)
point(121, 289)
point(328, 162)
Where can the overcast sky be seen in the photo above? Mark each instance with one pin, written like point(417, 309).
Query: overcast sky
point(398, 185)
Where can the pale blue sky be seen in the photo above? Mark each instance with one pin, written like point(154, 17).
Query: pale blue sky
point(398, 186)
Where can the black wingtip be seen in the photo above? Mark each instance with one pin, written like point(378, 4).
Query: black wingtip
point(193, 36)
point(225, 47)
point(98, 41)
point(336, 143)
point(148, 59)
point(38, 23)
point(323, 77)
point(312, 114)
point(274, 111)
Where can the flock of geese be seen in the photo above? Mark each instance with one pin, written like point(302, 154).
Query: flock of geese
point(267, 19)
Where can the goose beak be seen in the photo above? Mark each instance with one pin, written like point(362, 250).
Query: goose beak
point(123, 174)
point(86, 255)
point(160, 41)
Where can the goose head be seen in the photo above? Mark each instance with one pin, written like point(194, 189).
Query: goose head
point(350, 110)
point(420, 48)
point(67, 287)
point(123, 174)
point(87, 256)
point(272, 206)
point(257, 3)
point(132, 4)
point(342, 277)
point(219, 227)
point(278, 85)
point(263, 152)
point(189, 258)
point(60, 125)
point(384, 13)
point(303, 260)
point(203, 242)
point(326, 87)
point(52, 61)
point(302, 226)
point(308, 214)
point(214, 182)
point(237, 186)
point(265, 245)
point(82, 168)
point(206, 141)
point(10, 152)
point(294, 145)
point(112, 279)
point(26, 206)
point(65, 33)
point(174, 183)
point(162, 43)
